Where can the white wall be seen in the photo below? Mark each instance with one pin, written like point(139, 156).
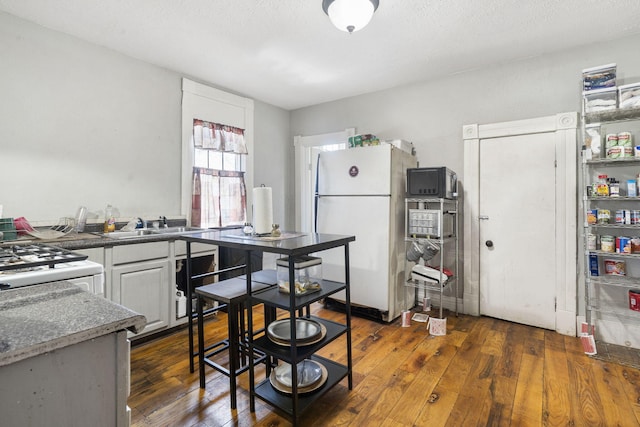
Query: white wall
point(431, 113)
point(81, 124)
point(272, 146)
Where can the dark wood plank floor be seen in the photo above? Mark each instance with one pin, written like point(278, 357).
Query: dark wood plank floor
point(484, 372)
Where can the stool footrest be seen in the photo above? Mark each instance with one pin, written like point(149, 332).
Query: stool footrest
point(223, 345)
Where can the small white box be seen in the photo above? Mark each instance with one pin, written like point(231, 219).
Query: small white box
point(629, 95)
point(600, 100)
point(631, 188)
point(426, 223)
point(401, 144)
point(602, 76)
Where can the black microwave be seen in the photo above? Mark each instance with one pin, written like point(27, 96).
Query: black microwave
point(440, 182)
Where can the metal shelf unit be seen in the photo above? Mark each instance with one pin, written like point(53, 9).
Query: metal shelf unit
point(605, 294)
point(444, 243)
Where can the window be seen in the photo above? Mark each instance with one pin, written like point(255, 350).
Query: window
point(219, 196)
point(224, 170)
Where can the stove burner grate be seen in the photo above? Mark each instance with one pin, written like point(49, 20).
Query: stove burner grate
point(35, 255)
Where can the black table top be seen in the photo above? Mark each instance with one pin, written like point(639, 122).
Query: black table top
point(289, 243)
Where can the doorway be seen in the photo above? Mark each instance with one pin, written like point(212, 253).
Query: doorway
point(307, 149)
point(517, 229)
point(520, 221)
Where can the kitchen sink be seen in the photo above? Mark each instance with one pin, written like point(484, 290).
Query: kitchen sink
point(128, 234)
point(149, 232)
point(175, 230)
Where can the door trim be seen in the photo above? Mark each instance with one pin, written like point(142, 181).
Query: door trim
point(564, 125)
point(305, 181)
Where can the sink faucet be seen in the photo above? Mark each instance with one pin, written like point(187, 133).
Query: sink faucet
point(163, 220)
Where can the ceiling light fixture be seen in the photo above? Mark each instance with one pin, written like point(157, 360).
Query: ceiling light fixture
point(350, 15)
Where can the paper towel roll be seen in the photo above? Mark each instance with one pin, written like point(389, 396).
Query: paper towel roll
point(262, 210)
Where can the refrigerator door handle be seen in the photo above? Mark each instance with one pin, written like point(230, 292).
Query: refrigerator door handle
point(317, 196)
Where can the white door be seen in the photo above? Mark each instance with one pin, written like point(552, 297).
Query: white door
point(517, 207)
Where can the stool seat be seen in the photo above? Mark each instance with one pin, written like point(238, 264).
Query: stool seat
point(232, 293)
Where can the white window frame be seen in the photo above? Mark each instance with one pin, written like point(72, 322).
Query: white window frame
point(206, 103)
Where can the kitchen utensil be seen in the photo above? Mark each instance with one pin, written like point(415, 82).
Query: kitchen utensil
point(309, 372)
point(306, 330)
point(287, 343)
point(414, 252)
point(64, 226)
point(425, 250)
point(313, 387)
point(81, 219)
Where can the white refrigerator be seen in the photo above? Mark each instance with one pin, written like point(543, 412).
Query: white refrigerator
point(360, 191)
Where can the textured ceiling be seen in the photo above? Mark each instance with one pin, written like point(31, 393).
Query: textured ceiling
point(287, 53)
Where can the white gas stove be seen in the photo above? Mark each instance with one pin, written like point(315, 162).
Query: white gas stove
point(34, 264)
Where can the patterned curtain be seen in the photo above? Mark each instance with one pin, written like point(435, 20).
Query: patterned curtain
point(218, 137)
point(219, 197)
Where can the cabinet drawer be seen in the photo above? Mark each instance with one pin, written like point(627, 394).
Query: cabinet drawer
point(139, 252)
point(196, 248)
point(94, 254)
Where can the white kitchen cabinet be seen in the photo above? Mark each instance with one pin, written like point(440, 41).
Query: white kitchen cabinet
point(94, 254)
point(199, 249)
point(143, 277)
point(139, 279)
point(75, 385)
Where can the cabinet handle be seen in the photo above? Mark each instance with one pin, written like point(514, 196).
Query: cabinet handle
point(489, 243)
point(483, 217)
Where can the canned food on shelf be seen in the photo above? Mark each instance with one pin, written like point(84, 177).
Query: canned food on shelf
point(607, 244)
point(604, 215)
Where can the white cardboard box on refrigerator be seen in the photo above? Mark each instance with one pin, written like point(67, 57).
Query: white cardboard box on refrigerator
point(403, 145)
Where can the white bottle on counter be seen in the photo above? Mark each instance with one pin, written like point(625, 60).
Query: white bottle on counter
point(181, 304)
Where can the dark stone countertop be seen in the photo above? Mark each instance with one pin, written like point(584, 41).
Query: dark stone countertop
point(42, 318)
point(74, 241)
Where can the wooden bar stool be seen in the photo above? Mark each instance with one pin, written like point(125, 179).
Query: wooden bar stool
point(232, 295)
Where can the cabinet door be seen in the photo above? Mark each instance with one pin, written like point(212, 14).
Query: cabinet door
point(144, 288)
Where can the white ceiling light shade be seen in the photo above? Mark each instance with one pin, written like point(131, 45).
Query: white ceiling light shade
point(350, 15)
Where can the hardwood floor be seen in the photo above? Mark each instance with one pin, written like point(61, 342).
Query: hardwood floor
point(484, 372)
